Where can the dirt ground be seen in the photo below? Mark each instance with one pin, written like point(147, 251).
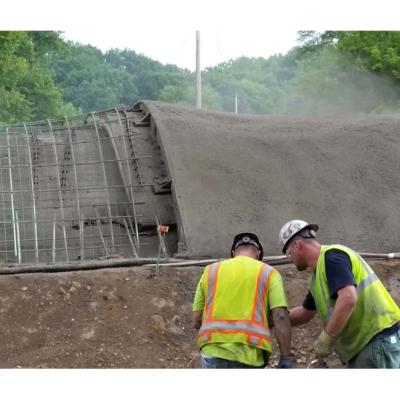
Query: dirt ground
point(126, 318)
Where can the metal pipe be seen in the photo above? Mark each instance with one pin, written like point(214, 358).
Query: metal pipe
point(388, 256)
point(76, 266)
point(137, 262)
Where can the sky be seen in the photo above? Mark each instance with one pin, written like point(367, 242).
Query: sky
point(164, 30)
point(179, 47)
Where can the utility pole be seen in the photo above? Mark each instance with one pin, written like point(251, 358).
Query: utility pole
point(198, 71)
point(236, 103)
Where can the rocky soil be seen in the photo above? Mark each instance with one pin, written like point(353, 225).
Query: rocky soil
point(125, 318)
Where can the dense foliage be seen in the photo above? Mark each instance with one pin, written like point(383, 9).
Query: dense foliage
point(27, 88)
point(42, 75)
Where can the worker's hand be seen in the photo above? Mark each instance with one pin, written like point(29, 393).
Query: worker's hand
point(323, 346)
point(285, 362)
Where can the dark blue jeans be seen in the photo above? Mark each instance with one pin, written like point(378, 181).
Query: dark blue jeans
point(214, 362)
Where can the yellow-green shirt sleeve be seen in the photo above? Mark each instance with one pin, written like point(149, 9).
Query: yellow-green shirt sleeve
point(199, 297)
point(276, 292)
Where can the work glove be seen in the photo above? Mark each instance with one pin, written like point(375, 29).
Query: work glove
point(323, 346)
point(285, 362)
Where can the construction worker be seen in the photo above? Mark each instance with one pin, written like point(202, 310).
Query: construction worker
point(361, 320)
point(233, 302)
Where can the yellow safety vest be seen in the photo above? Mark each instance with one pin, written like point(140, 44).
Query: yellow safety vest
point(375, 309)
point(224, 321)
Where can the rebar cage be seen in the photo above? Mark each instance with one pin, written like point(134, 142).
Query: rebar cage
point(70, 188)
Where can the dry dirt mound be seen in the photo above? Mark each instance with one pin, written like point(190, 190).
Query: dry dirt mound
point(123, 318)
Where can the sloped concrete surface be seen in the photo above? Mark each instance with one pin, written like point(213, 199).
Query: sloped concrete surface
point(251, 173)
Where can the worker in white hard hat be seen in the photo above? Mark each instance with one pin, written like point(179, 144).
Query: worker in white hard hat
point(232, 305)
point(361, 319)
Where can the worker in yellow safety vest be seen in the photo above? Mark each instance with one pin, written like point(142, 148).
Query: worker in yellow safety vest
point(234, 301)
point(361, 319)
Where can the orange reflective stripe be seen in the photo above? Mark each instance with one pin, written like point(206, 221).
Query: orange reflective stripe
point(214, 288)
point(263, 279)
point(255, 301)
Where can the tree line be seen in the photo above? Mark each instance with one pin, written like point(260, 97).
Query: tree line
point(332, 72)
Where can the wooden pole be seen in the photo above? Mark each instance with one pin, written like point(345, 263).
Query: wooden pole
point(236, 104)
point(198, 71)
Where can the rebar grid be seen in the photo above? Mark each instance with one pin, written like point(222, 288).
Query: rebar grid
point(67, 190)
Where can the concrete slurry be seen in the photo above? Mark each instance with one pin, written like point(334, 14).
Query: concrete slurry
point(234, 173)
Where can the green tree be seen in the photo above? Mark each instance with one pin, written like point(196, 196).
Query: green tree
point(153, 80)
point(27, 90)
point(328, 82)
point(89, 82)
point(378, 51)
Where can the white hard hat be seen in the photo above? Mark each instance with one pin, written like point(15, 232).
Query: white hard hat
point(293, 228)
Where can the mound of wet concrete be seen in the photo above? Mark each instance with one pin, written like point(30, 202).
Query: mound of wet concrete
point(253, 173)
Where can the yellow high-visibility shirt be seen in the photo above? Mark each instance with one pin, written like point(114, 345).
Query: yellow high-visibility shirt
point(240, 352)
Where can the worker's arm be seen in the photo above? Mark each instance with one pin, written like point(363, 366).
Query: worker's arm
point(198, 301)
point(342, 289)
point(344, 306)
point(280, 318)
point(300, 315)
point(197, 317)
point(283, 331)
